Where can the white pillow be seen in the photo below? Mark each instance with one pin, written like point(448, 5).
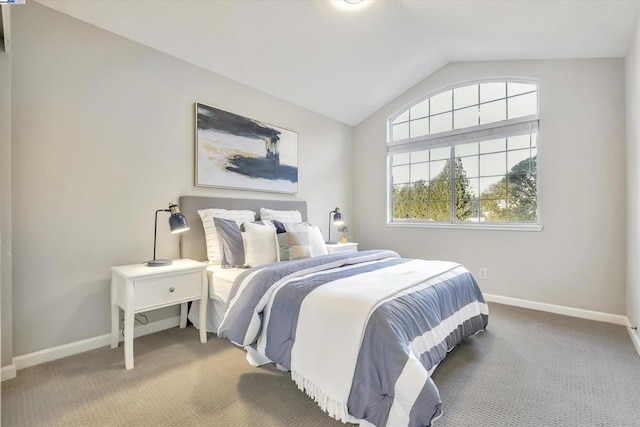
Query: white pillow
point(282, 216)
point(260, 244)
point(316, 240)
point(210, 232)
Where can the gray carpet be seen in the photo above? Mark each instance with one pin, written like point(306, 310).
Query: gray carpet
point(528, 369)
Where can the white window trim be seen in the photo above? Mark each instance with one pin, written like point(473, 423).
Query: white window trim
point(488, 130)
point(470, 134)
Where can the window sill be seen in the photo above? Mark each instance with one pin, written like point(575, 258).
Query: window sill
point(494, 227)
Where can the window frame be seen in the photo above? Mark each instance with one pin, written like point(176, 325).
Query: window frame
point(502, 128)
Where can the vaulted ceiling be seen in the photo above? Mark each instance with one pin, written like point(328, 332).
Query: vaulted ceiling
point(346, 61)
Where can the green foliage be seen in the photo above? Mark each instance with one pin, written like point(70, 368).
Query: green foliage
point(401, 201)
point(419, 206)
point(514, 197)
point(431, 201)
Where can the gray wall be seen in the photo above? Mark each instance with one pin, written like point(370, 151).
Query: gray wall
point(579, 259)
point(103, 132)
point(5, 204)
point(632, 68)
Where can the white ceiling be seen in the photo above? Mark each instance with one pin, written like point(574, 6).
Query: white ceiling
point(345, 61)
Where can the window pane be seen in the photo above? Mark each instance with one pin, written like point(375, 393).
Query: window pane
point(465, 209)
point(474, 186)
point(493, 210)
point(466, 149)
point(525, 210)
point(493, 111)
point(440, 153)
point(420, 110)
point(521, 141)
point(521, 187)
point(518, 88)
point(400, 174)
point(439, 191)
point(465, 96)
point(401, 201)
point(465, 118)
point(441, 102)
point(400, 159)
point(440, 123)
point(493, 145)
point(523, 105)
point(518, 161)
point(401, 118)
point(470, 166)
point(492, 91)
point(440, 211)
point(419, 210)
point(493, 164)
point(493, 187)
point(438, 170)
point(464, 190)
point(400, 131)
point(419, 171)
point(420, 156)
point(534, 139)
point(419, 127)
point(473, 217)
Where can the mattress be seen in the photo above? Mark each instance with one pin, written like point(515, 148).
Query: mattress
point(220, 284)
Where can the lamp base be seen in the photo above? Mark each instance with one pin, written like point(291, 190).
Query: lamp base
point(159, 262)
point(331, 242)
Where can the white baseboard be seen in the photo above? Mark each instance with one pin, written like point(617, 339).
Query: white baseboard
point(635, 339)
point(70, 349)
point(8, 372)
point(560, 309)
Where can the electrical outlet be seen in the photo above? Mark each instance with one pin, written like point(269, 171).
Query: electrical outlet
point(483, 273)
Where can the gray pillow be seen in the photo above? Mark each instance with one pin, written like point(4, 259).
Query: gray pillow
point(231, 246)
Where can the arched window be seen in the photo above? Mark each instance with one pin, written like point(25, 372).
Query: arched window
point(466, 156)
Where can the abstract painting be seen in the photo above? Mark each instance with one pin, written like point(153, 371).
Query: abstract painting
point(238, 152)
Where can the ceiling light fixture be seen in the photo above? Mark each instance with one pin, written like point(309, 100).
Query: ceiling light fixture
point(349, 5)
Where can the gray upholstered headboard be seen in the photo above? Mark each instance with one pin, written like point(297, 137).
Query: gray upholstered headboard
point(193, 244)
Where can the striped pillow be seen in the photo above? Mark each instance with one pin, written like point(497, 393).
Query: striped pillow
point(300, 241)
point(210, 232)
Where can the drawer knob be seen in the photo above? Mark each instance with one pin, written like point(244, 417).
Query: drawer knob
point(172, 289)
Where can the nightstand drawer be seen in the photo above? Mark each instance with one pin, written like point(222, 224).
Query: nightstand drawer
point(167, 290)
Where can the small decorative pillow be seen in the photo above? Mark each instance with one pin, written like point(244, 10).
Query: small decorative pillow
point(210, 232)
point(260, 244)
point(231, 246)
point(295, 243)
point(282, 216)
point(278, 225)
point(316, 240)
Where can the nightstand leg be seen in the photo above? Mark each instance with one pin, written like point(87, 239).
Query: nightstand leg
point(128, 339)
point(115, 324)
point(183, 315)
point(203, 309)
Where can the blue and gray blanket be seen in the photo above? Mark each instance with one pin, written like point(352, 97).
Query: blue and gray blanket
point(361, 332)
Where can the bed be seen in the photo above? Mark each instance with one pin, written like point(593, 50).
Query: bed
point(360, 332)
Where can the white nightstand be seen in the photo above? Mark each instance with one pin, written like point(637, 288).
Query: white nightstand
point(137, 288)
point(334, 248)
